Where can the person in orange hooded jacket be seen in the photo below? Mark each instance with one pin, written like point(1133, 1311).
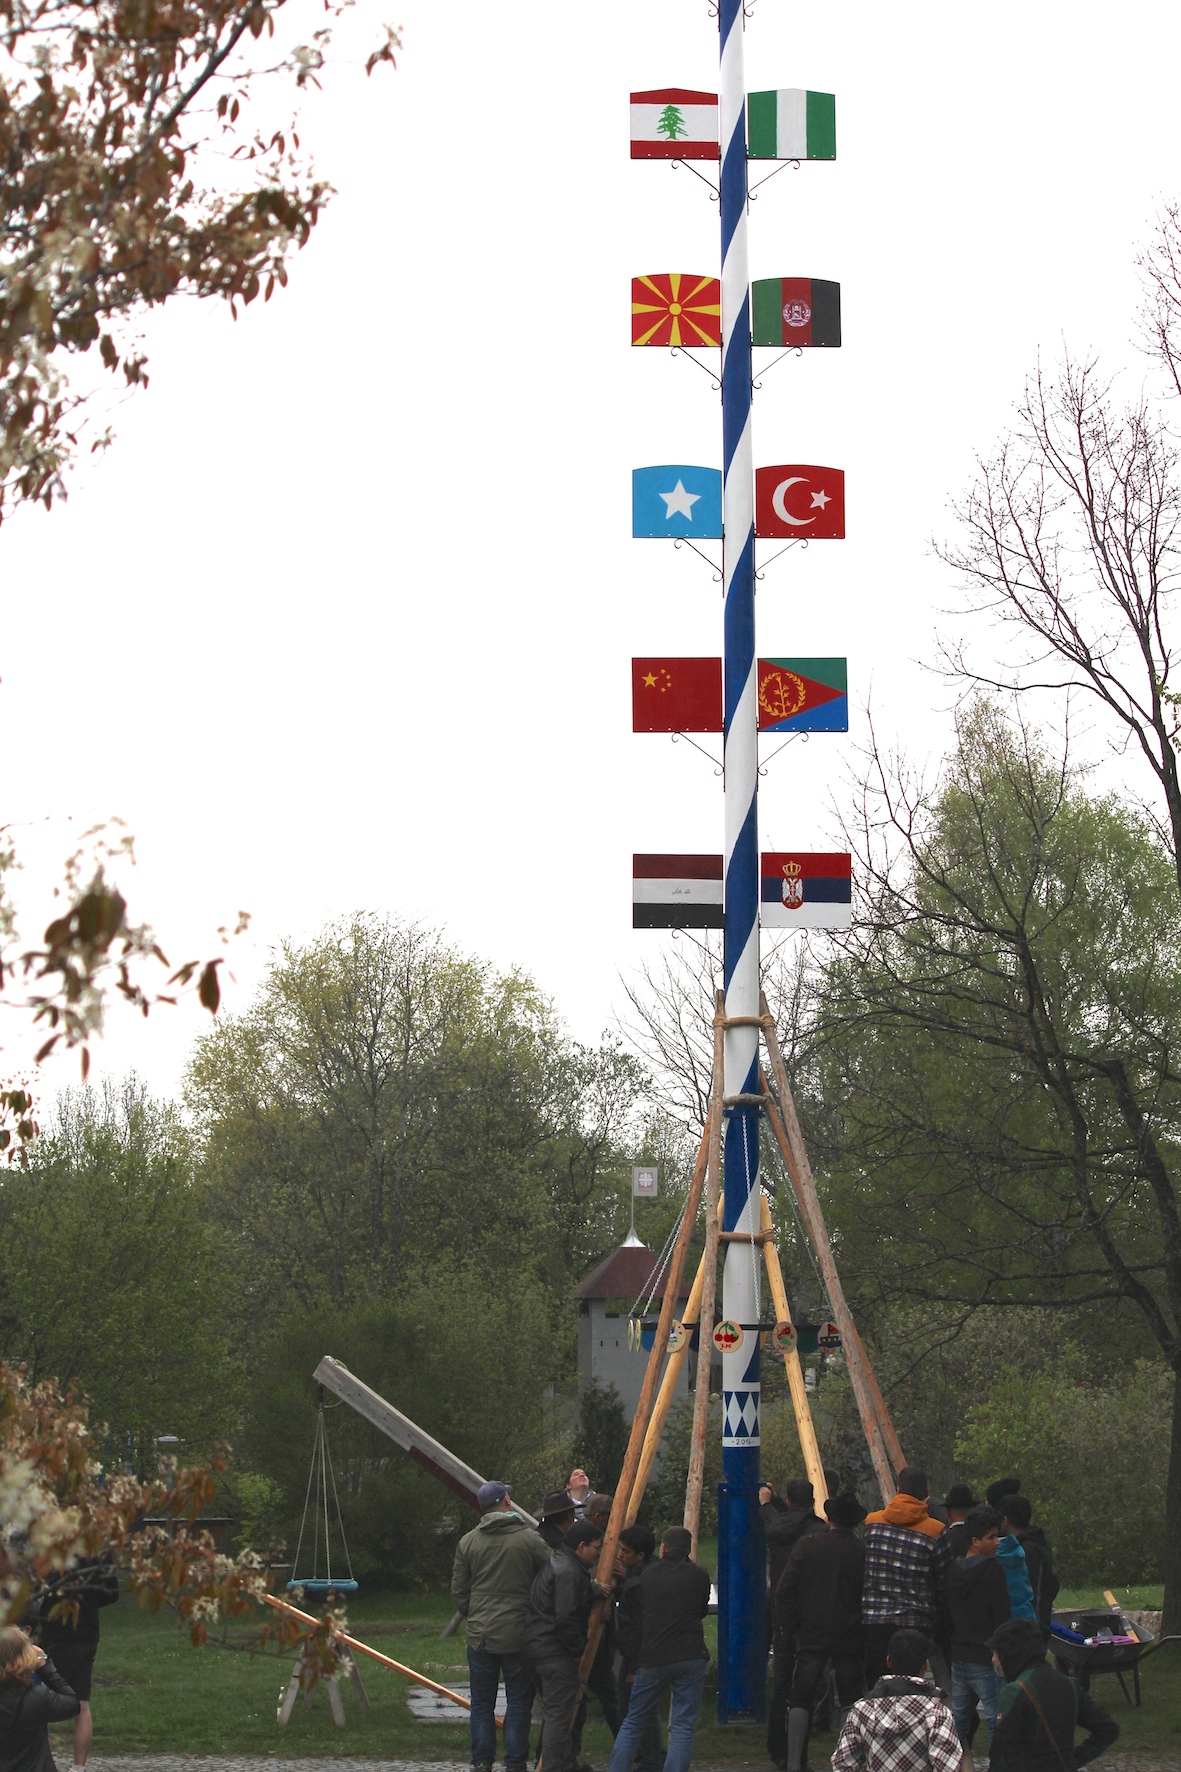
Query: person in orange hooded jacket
point(907, 1554)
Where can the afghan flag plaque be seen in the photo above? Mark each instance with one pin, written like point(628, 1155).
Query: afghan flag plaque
point(795, 311)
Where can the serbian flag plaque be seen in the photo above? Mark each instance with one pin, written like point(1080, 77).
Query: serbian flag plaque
point(795, 311)
point(673, 123)
point(791, 125)
point(677, 892)
point(806, 890)
point(676, 308)
point(676, 695)
point(803, 695)
point(799, 500)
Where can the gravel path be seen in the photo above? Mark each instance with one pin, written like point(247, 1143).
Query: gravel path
point(200, 1763)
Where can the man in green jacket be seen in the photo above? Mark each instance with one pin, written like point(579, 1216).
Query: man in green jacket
point(494, 1569)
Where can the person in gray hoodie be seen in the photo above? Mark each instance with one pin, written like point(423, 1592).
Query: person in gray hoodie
point(494, 1569)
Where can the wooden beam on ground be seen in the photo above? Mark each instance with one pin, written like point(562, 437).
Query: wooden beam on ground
point(407, 1673)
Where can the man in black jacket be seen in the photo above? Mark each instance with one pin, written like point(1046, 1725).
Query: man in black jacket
point(1018, 1512)
point(637, 1550)
point(674, 1598)
point(555, 1636)
point(555, 1517)
point(957, 1504)
point(818, 1607)
point(978, 1604)
point(1039, 1709)
point(784, 1524)
point(70, 1640)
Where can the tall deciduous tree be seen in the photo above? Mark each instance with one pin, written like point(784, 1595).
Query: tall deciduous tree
point(391, 1102)
point(109, 1278)
point(999, 1055)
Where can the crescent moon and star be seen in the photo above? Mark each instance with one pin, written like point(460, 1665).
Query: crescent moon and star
point(779, 502)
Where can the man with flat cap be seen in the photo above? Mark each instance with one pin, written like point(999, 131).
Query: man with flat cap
point(818, 1604)
point(494, 1570)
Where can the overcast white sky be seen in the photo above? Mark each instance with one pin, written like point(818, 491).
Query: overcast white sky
point(344, 619)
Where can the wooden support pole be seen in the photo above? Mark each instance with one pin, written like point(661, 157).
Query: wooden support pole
point(639, 1427)
point(407, 1673)
point(668, 1390)
point(800, 1171)
point(870, 1424)
point(709, 1262)
point(795, 1372)
point(803, 1182)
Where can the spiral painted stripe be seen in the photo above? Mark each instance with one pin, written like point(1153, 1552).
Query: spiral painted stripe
point(742, 1578)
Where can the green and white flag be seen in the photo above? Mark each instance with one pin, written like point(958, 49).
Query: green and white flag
point(791, 125)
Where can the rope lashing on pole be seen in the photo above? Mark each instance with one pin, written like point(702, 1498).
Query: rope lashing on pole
point(741, 1553)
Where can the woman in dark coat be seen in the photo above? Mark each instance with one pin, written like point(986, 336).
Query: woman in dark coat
point(32, 1695)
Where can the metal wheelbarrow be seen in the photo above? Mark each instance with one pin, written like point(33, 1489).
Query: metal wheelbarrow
point(1082, 1660)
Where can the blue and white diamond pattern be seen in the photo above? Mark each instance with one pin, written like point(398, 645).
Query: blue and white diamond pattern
point(740, 1418)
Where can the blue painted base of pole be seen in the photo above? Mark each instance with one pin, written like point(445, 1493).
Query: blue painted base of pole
point(742, 1562)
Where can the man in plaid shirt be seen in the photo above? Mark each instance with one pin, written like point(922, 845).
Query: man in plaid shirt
point(904, 1725)
point(907, 1556)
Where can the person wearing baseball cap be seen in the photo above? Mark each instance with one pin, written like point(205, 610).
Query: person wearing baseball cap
point(494, 1569)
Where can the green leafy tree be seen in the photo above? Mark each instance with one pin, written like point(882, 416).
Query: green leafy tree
point(390, 1102)
point(109, 1278)
point(603, 1431)
point(463, 1355)
point(995, 1088)
point(1092, 1456)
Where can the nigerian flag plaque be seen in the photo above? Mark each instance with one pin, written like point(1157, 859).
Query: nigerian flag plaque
point(791, 125)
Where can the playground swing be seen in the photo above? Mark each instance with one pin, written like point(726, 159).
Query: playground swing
point(321, 1485)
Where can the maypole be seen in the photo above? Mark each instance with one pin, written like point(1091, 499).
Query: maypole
point(741, 1552)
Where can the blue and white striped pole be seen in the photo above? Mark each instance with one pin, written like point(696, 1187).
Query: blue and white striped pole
point(741, 1552)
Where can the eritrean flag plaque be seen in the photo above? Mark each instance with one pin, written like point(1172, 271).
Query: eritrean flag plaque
point(674, 123)
point(806, 890)
point(795, 311)
point(791, 125)
point(803, 695)
point(676, 308)
point(676, 892)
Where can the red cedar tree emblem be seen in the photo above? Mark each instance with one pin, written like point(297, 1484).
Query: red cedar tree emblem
point(676, 308)
point(799, 500)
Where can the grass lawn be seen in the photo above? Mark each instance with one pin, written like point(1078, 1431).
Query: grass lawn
point(154, 1694)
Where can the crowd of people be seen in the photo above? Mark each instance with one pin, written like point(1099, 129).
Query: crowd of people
point(923, 1622)
point(960, 1591)
point(527, 1595)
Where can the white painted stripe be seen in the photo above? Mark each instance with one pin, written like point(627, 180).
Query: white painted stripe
point(700, 123)
point(676, 892)
point(791, 123)
point(809, 916)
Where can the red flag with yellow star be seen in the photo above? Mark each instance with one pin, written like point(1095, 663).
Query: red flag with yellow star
point(676, 308)
point(676, 695)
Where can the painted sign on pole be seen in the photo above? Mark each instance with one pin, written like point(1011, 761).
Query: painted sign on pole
point(645, 1182)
